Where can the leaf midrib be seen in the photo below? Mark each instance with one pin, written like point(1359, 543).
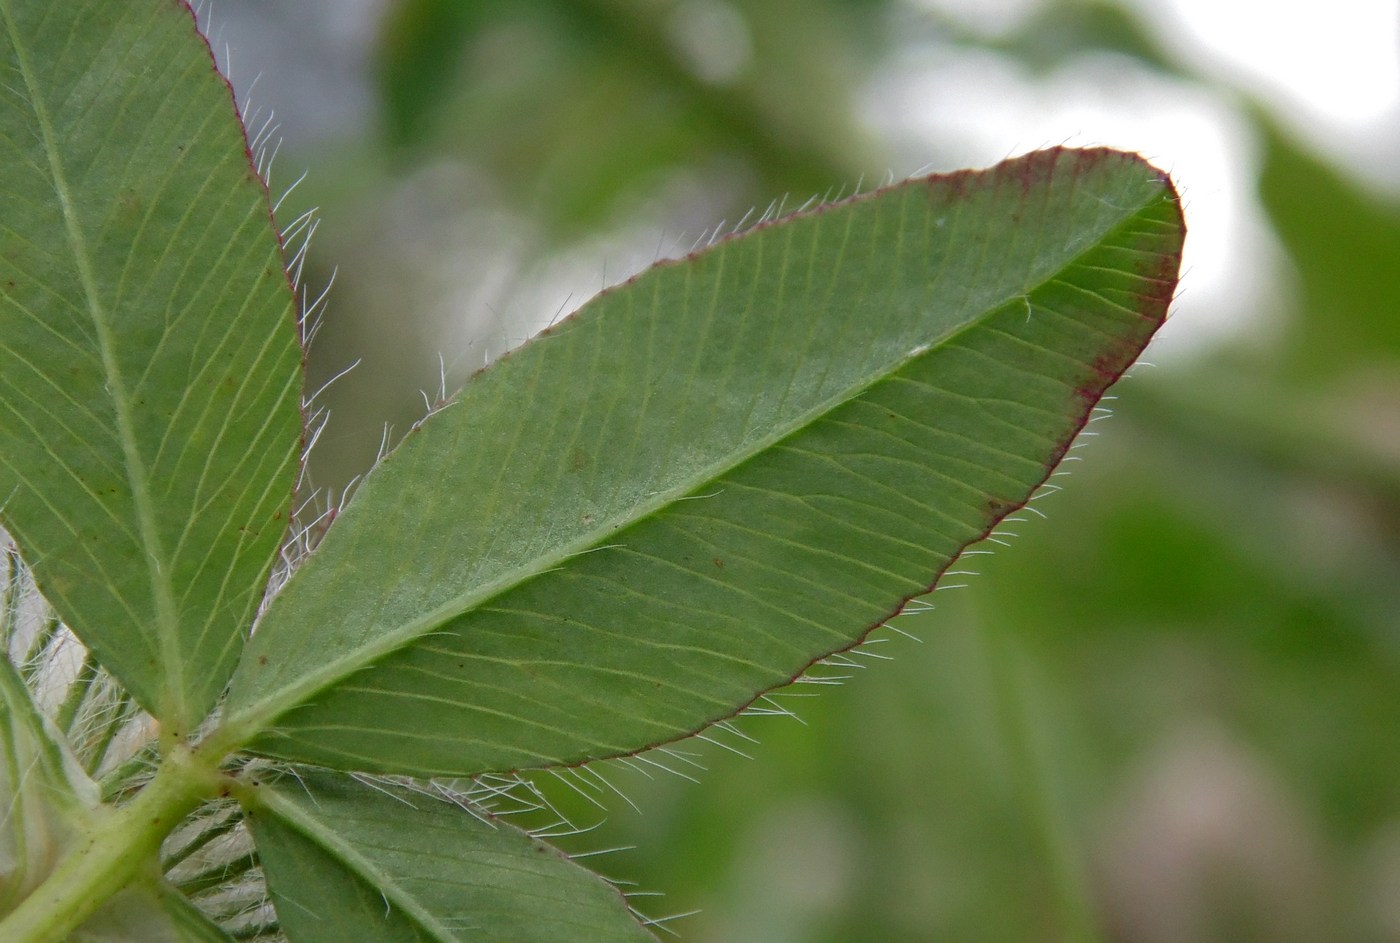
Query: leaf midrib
point(331, 843)
point(251, 720)
point(174, 710)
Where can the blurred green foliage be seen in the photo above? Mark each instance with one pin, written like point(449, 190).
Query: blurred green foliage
point(1168, 714)
point(577, 106)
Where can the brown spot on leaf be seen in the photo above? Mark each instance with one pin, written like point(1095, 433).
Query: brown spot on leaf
point(998, 508)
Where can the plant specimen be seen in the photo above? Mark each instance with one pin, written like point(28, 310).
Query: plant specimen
point(622, 534)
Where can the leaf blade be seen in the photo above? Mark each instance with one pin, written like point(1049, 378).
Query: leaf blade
point(148, 913)
point(795, 366)
point(345, 860)
point(149, 366)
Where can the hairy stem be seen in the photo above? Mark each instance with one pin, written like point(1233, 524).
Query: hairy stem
point(121, 848)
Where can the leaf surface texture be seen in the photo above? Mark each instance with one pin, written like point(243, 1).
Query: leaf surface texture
point(381, 864)
point(149, 363)
point(713, 475)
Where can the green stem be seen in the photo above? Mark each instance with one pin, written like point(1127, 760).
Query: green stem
point(120, 848)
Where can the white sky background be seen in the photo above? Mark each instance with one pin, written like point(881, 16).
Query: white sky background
point(1331, 72)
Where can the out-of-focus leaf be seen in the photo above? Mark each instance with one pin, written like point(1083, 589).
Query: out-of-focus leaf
point(575, 105)
point(711, 476)
point(149, 364)
point(382, 864)
point(422, 46)
point(1344, 243)
point(1060, 31)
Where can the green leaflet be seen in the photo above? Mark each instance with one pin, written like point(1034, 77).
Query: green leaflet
point(188, 920)
point(149, 364)
point(707, 478)
point(148, 915)
point(674, 501)
point(382, 864)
